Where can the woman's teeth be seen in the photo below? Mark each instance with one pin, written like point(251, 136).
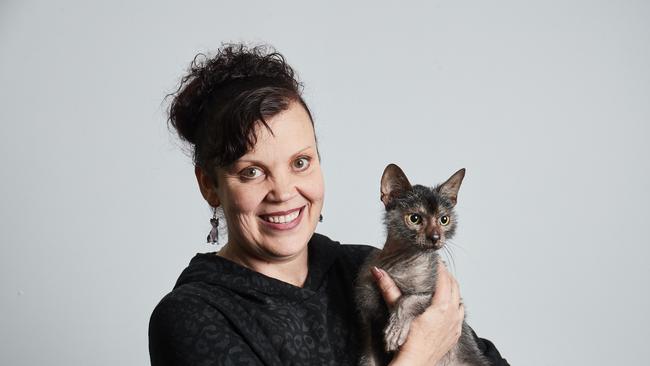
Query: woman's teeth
point(282, 219)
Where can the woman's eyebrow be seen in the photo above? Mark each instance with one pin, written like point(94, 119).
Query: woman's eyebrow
point(259, 162)
point(247, 161)
point(303, 150)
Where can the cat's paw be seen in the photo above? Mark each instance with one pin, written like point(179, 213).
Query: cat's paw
point(367, 360)
point(396, 332)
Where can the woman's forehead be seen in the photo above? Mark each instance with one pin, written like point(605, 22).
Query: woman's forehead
point(290, 132)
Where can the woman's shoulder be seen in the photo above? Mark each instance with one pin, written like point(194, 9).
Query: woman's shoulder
point(353, 254)
point(196, 292)
point(345, 248)
point(185, 330)
point(182, 305)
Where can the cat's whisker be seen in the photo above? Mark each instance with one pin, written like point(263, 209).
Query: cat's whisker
point(449, 254)
point(449, 241)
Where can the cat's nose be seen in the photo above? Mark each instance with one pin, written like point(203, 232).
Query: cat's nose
point(435, 237)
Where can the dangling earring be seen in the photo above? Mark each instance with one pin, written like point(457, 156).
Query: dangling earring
point(320, 218)
point(214, 232)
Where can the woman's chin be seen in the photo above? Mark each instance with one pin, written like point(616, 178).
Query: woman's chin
point(288, 244)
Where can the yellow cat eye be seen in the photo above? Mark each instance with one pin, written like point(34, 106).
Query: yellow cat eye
point(444, 220)
point(415, 219)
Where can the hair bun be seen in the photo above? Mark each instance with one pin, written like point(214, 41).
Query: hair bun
point(237, 61)
point(209, 76)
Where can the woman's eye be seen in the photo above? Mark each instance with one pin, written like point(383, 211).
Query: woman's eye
point(444, 220)
point(415, 219)
point(251, 172)
point(301, 163)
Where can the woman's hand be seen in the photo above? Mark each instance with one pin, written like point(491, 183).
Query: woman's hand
point(434, 332)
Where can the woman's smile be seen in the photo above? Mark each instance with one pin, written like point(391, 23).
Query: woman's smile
point(283, 220)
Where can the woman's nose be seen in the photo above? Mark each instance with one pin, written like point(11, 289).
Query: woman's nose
point(282, 189)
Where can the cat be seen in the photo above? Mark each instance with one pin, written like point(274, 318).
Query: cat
point(419, 220)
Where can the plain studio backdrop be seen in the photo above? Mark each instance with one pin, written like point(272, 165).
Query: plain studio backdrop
point(545, 103)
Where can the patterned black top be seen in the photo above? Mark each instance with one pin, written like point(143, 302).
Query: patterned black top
point(220, 313)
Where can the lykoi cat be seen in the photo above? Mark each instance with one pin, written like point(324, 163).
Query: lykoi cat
point(419, 220)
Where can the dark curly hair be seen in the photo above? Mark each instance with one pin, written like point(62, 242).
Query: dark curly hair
point(222, 98)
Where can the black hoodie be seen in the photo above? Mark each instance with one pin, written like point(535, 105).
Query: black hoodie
point(220, 313)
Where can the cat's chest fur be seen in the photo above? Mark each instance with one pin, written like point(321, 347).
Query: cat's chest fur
point(413, 270)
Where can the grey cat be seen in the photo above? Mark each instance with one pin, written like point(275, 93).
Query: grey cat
point(419, 220)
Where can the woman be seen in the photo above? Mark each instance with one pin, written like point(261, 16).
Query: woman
point(277, 293)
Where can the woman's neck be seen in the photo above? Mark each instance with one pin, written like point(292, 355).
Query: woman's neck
point(291, 270)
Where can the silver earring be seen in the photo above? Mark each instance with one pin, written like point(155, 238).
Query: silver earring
point(214, 232)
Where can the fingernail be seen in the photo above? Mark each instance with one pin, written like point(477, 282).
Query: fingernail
point(377, 273)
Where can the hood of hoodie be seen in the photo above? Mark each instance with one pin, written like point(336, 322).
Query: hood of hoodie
point(213, 270)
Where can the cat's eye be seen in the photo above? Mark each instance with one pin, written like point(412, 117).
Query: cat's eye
point(415, 219)
point(444, 220)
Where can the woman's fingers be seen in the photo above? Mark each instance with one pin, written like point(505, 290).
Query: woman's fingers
point(455, 290)
point(449, 298)
point(444, 287)
point(461, 309)
point(447, 289)
point(389, 290)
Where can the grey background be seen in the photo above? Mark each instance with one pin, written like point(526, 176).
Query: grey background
point(544, 102)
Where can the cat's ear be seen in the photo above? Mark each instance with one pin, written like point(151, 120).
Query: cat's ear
point(393, 181)
point(452, 185)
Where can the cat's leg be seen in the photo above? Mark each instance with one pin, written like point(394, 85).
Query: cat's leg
point(373, 344)
point(369, 305)
point(371, 358)
point(367, 352)
point(399, 323)
point(366, 349)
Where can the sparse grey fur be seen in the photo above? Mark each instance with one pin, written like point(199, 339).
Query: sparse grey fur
point(410, 256)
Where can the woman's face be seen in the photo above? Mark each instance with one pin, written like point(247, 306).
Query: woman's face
point(273, 195)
